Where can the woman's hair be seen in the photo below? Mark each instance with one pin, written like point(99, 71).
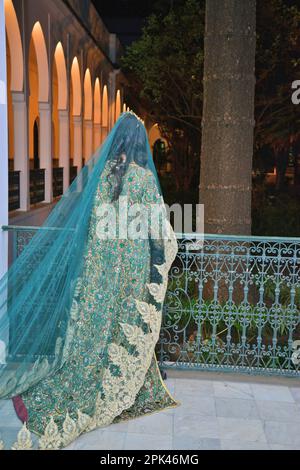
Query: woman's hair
point(116, 175)
point(130, 146)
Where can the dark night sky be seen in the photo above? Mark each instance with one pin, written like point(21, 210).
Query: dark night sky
point(124, 17)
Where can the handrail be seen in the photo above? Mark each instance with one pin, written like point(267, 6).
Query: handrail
point(210, 236)
point(10, 228)
point(235, 310)
point(181, 236)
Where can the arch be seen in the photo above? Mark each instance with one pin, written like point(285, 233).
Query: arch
point(15, 44)
point(42, 61)
point(61, 71)
point(105, 107)
point(33, 102)
point(88, 96)
point(97, 102)
point(55, 111)
point(76, 88)
point(10, 111)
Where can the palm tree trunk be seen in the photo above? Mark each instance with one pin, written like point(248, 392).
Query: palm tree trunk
point(228, 116)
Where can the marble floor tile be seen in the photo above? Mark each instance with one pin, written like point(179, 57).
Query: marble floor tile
point(157, 423)
point(295, 391)
point(197, 426)
point(233, 390)
point(270, 392)
point(100, 440)
point(191, 442)
point(185, 387)
point(278, 411)
point(136, 441)
point(236, 408)
point(287, 434)
point(243, 445)
point(248, 430)
point(198, 406)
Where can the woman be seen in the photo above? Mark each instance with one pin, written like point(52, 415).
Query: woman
point(81, 307)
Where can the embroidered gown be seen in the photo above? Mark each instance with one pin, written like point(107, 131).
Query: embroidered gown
point(110, 373)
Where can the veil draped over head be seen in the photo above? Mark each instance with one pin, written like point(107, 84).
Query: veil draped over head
point(37, 292)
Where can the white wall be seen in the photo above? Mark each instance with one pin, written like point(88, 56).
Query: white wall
point(3, 146)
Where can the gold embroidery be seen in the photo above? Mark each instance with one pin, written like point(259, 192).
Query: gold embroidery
point(24, 441)
point(51, 440)
point(119, 391)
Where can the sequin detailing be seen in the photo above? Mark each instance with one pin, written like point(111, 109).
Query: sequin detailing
point(110, 371)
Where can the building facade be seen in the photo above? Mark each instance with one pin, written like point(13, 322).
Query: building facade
point(62, 91)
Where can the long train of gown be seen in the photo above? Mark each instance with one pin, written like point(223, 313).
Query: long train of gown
point(110, 373)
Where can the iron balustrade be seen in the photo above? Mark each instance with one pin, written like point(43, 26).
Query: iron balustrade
point(232, 304)
point(73, 173)
point(37, 186)
point(58, 181)
point(14, 190)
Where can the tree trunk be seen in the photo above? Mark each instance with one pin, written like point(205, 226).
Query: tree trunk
point(228, 116)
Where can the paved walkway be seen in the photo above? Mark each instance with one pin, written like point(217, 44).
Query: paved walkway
point(214, 414)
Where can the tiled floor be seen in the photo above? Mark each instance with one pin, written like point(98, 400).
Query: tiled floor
point(214, 414)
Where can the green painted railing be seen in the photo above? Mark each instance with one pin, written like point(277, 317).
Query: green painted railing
point(233, 304)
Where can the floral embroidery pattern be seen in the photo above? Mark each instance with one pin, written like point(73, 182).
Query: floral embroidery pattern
point(126, 382)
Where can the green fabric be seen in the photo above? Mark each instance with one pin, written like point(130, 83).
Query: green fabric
point(116, 272)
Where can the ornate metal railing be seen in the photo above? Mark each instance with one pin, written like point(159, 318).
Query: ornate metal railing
point(73, 173)
point(58, 181)
point(232, 304)
point(14, 190)
point(37, 186)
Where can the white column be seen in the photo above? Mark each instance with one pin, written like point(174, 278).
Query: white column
point(77, 123)
point(21, 159)
point(64, 146)
point(3, 147)
point(88, 139)
point(112, 99)
point(46, 148)
point(97, 136)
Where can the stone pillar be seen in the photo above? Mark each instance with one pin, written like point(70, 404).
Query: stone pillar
point(97, 136)
point(21, 159)
point(77, 122)
point(88, 139)
point(112, 99)
point(3, 149)
point(46, 148)
point(64, 145)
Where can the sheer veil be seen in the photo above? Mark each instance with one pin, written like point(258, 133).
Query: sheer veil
point(37, 293)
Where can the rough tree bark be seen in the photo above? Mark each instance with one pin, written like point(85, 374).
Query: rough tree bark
point(228, 115)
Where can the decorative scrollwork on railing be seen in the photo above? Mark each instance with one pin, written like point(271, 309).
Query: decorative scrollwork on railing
point(233, 304)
